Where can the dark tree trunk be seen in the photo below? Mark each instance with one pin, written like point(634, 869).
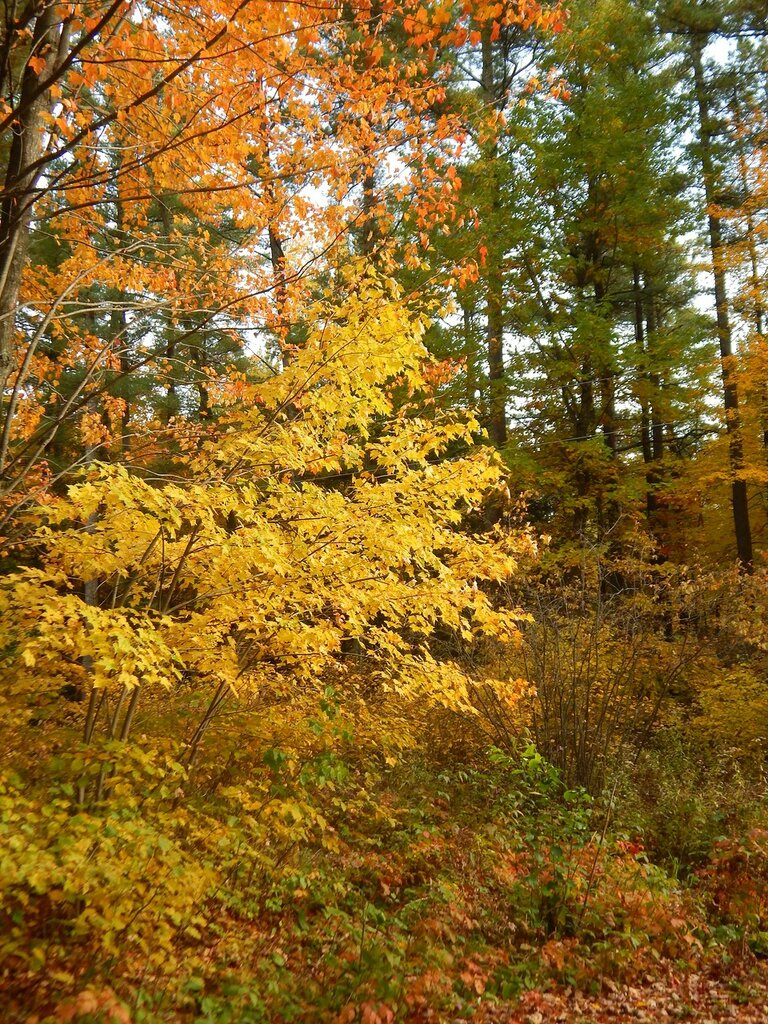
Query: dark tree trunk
point(739, 497)
point(50, 36)
point(494, 282)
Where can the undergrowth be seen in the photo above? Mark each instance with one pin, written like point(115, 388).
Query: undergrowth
point(308, 881)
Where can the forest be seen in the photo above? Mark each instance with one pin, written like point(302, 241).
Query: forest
point(383, 511)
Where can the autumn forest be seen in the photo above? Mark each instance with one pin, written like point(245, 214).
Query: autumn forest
point(383, 511)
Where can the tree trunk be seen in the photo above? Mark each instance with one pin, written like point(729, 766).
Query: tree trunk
point(739, 498)
point(645, 404)
point(50, 36)
point(494, 281)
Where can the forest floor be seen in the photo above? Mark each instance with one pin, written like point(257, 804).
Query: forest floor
point(718, 993)
point(417, 894)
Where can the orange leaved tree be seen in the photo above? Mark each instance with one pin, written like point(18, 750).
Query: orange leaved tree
point(175, 181)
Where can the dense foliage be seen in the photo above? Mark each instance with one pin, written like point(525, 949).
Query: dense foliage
point(383, 494)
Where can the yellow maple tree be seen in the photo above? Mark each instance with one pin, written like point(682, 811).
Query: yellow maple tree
point(326, 510)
